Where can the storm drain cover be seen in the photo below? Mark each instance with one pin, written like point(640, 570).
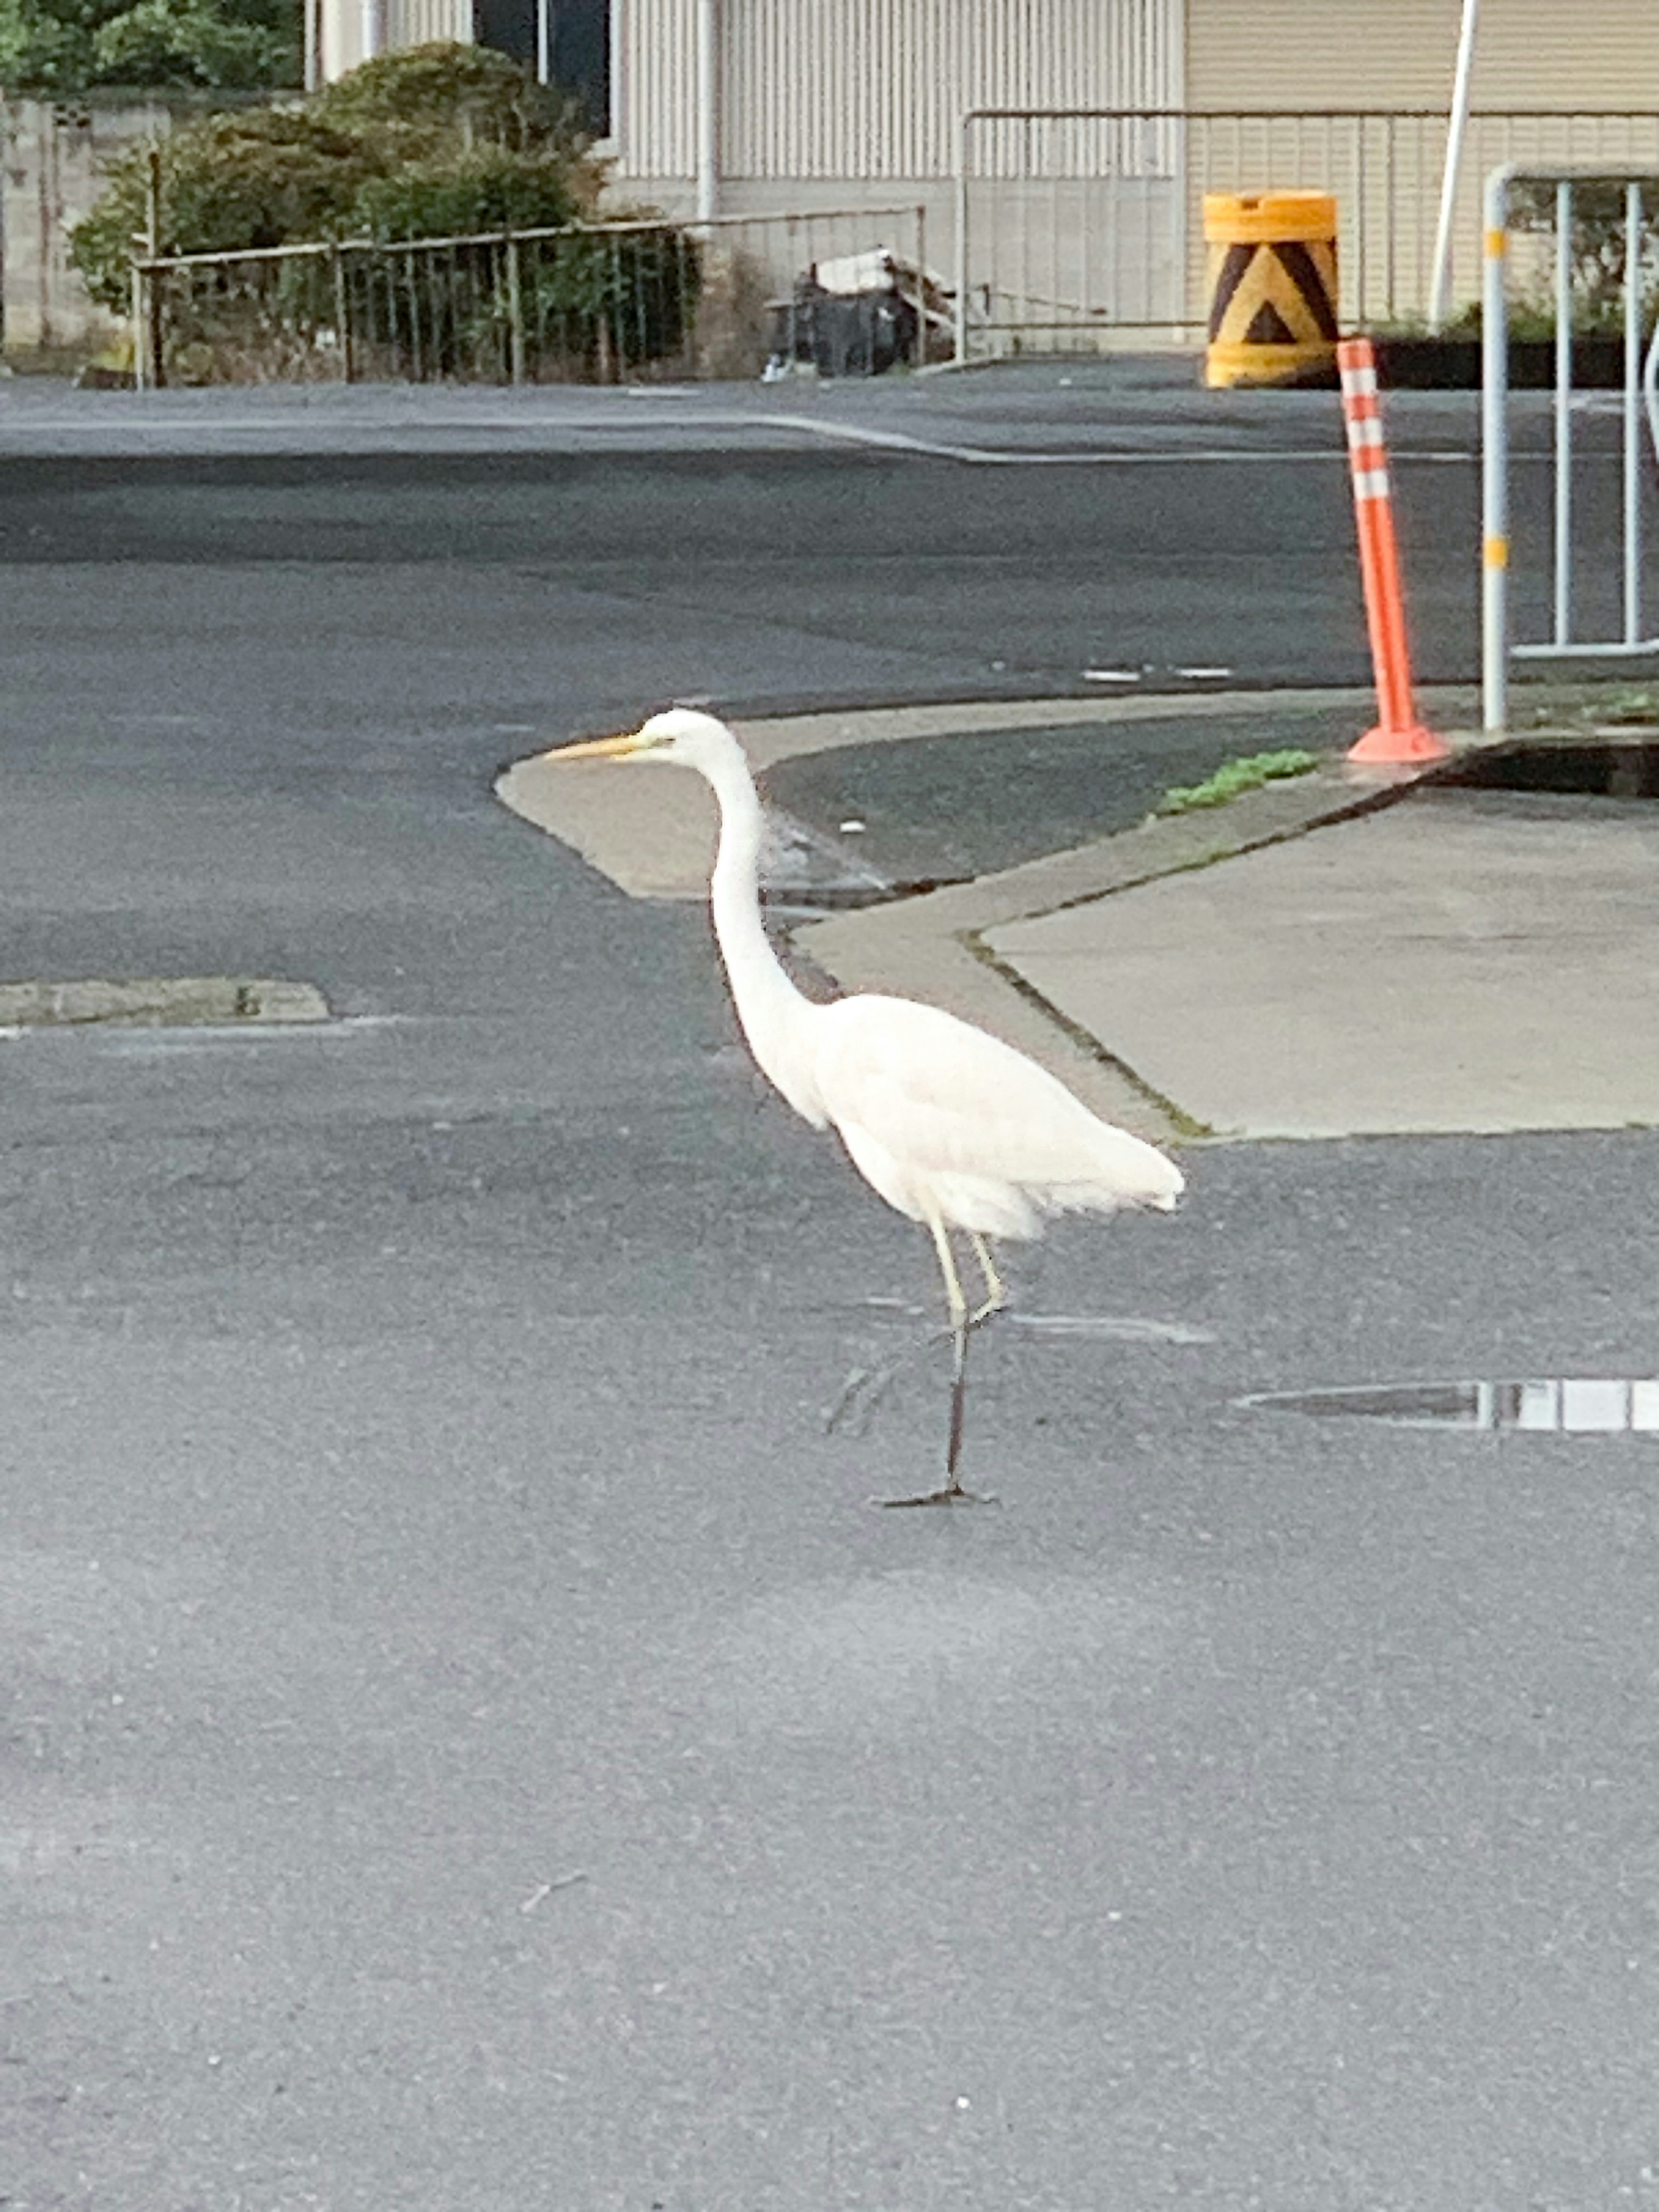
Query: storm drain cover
point(159, 1000)
point(1558, 1405)
point(1615, 766)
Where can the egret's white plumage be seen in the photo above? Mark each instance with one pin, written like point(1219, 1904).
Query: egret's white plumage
point(950, 1124)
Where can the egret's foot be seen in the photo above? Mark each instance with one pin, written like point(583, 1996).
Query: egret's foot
point(951, 1494)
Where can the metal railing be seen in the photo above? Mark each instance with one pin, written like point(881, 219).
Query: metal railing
point(586, 303)
point(1078, 227)
point(1565, 189)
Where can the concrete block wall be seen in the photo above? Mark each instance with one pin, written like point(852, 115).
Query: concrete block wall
point(54, 161)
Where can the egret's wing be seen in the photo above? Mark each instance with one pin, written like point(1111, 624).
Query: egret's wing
point(943, 1098)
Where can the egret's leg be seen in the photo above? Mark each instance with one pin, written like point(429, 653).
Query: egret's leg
point(996, 1290)
point(952, 1493)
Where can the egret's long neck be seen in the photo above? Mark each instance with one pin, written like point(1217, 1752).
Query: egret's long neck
point(775, 1015)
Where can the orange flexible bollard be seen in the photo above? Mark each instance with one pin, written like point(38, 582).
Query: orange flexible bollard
point(1399, 738)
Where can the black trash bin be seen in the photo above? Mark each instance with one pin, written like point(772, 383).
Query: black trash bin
point(852, 333)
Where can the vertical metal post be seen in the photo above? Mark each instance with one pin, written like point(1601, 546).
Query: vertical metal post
point(921, 285)
point(1563, 488)
point(515, 359)
point(1632, 413)
point(150, 330)
point(543, 41)
point(343, 315)
point(1389, 189)
point(1052, 164)
point(1494, 458)
point(1361, 225)
point(140, 330)
point(963, 132)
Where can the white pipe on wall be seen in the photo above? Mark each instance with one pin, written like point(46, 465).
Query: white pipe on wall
point(709, 109)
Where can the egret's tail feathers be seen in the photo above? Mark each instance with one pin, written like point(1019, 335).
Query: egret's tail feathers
point(1131, 1173)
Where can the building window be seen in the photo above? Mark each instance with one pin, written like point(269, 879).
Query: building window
point(567, 41)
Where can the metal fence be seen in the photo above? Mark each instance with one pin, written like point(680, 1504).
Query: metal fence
point(1588, 226)
point(1078, 228)
point(589, 303)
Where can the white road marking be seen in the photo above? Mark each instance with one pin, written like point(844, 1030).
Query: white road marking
point(999, 456)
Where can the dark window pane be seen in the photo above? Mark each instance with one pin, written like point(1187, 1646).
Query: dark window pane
point(580, 45)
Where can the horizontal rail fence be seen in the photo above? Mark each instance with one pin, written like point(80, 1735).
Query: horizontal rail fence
point(586, 304)
point(1572, 242)
point(1074, 226)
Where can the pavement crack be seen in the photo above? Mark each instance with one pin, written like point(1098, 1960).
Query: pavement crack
point(1185, 1125)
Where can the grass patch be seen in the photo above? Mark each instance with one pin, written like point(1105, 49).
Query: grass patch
point(1236, 775)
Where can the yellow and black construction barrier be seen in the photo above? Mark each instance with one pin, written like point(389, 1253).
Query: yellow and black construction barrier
point(1273, 286)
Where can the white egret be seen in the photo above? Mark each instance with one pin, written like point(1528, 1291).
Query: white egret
point(953, 1128)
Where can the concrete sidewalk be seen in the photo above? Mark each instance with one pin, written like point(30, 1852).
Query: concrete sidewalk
point(1319, 959)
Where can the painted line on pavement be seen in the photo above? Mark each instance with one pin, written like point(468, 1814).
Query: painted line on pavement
point(997, 457)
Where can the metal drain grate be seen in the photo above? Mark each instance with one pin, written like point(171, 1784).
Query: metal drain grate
point(159, 1001)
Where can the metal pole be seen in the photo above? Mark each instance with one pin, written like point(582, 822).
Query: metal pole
point(961, 239)
point(1563, 411)
point(139, 331)
point(151, 328)
point(921, 286)
point(1456, 123)
point(1494, 459)
point(515, 313)
point(709, 110)
point(343, 316)
point(1632, 413)
point(543, 41)
point(153, 201)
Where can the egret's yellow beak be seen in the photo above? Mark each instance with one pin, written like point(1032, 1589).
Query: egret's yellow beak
point(632, 741)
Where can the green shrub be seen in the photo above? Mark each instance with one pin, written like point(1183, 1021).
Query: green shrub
point(58, 49)
point(260, 178)
point(452, 195)
point(190, 43)
point(446, 97)
point(449, 137)
point(632, 294)
point(1597, 243)
point(443, 141)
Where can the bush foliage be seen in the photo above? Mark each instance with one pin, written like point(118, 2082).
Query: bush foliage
point(57, 49)
point(432, 142)
point(442, 142)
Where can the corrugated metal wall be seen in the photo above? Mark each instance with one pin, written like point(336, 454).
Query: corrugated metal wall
point(416, 22)
point(868, 89)
point(1556, 54)
point(408, 23)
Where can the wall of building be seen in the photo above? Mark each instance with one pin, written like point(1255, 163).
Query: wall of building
point(54, 161)
point(856, 104)
point(340, 30)
point(859, 91)
point(1556, 54)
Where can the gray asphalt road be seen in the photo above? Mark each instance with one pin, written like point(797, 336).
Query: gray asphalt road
point(950, 809)
point(1176, 529)
point(468, 1741)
